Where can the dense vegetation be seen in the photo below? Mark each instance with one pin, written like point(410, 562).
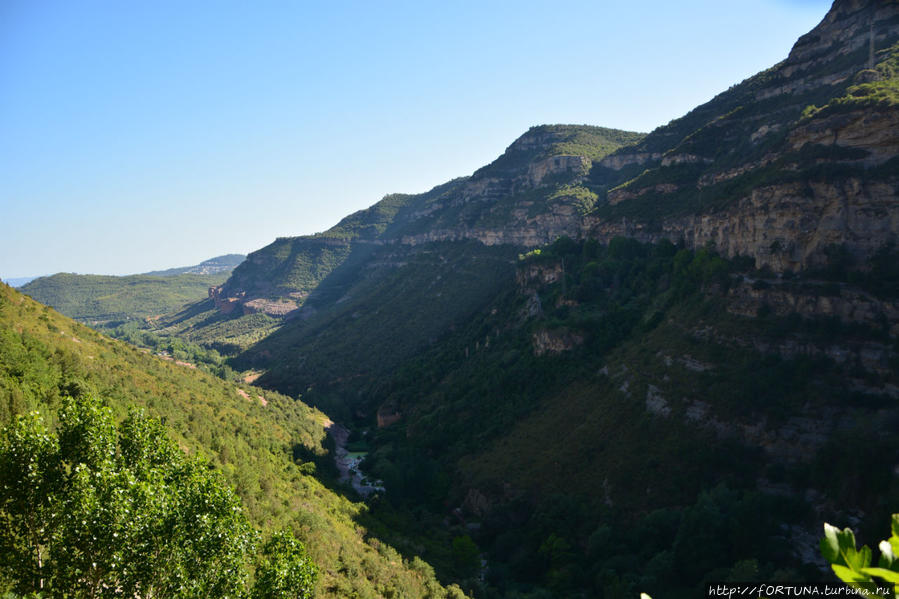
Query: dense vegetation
point(99, 510)
point(265, 445)
point(100, 299)
point(431, 290)
point(881, 90)
point(647, 350)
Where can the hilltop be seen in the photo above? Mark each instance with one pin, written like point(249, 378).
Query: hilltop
point(225, 263)
point(101, 299)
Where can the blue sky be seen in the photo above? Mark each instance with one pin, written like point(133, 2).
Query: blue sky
point(143, 135)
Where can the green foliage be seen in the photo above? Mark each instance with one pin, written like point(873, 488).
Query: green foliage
point(96, 298)
point(431, 290)
point(853, 565)
point(466, 556)
point(200, 324)
point(285, 570)
point(584, 198)
point(881, 92)
point(651, 320)
point(117, 512)
point(265, 452)
point(371, 222)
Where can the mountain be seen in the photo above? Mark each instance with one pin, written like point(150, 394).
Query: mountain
point(215, 265)
point(529, 196)
point(267, 446)
point(611, 362)
point(100, 299)
point(783, 167)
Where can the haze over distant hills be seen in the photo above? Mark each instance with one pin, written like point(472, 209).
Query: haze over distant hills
point(19, 281)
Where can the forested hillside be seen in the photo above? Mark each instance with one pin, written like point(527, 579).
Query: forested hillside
point(101, 300)
point(605, 363)
point(265, 444)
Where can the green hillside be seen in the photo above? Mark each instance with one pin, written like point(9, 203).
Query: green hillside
point(265, 444)
point(596, 410)
point(99, 299)
point(609, 363)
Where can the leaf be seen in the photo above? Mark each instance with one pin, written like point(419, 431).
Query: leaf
point(848, 575)
point(887, 575)
point(830, 546)
point(894, 525)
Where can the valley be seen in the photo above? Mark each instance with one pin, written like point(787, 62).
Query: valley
point(606, 363)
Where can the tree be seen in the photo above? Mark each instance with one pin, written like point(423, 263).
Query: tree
point(28, 489)
point(285, 569)
point(99, 510)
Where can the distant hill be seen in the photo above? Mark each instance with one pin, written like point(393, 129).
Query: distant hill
point(99, 299)
point(207, 267)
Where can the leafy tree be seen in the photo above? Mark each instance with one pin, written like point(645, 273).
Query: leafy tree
point(99, 510)
point(28, 482)
point(285, 570)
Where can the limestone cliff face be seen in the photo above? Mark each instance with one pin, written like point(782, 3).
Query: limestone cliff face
point(528, 197)
point(874, 133)
point(548, 341)
point(761, 172)
point(786, 227)
point(783, 298)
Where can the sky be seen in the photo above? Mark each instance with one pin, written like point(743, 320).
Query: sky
point(144, 135)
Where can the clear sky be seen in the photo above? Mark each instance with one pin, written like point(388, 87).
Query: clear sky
point(144, 135)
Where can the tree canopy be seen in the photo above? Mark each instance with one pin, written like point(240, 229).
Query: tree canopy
point(92, 509)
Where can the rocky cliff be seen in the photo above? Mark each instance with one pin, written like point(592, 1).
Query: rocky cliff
point(529, 196)
point(789, 163)
point(793, 161)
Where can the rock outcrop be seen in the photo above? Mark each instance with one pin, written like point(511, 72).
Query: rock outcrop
point(762, 171)
point(781, 168)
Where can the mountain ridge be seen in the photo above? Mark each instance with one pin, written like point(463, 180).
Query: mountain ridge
point(611, 183)
point(637, 369)
point(100, 299)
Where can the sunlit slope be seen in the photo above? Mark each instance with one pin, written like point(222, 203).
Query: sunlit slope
point(252, 436)
point(99, 299)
